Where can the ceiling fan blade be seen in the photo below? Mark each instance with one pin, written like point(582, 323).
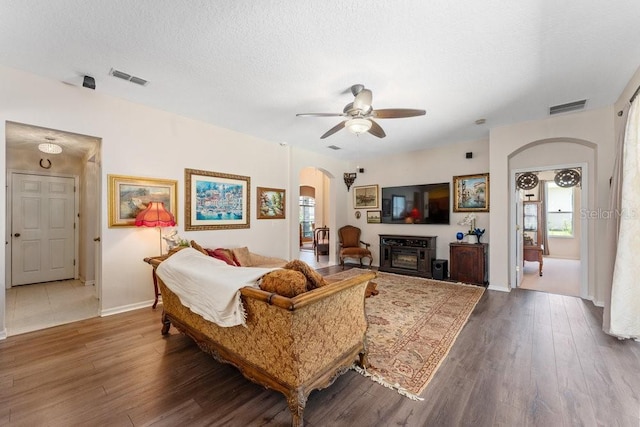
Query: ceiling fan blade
point(320, 114)
point(397, 113)
point(376, 130)
point(333, 130)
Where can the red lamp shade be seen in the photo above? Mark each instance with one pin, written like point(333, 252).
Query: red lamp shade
point(155, 215)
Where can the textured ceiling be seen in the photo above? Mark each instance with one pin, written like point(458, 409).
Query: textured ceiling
point(251, 66)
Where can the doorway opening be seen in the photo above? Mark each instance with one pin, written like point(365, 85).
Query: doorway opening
point(314, 217)
point(53, 223)
point(552, 238)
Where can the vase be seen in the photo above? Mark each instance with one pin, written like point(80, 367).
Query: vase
point(459, 236)
point(472, 238)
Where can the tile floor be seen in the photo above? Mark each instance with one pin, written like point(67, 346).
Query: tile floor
point(308, 256)
point(43, 305)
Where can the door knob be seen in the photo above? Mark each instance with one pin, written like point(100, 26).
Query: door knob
point(96, 239)
point(16, 235)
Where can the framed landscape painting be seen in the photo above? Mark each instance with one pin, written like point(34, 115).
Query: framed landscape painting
point(365, 197)
point(373, 217)
point(271, 203)
point(471, 193)
point(129, 195)
point(216, 200)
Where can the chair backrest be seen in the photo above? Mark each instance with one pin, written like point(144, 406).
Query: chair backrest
point(349, 236)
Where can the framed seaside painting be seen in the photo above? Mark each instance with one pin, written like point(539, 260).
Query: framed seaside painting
point(271, 203)
point(365, 197)
point(129, 195)
point(216, 200)
point(471, 193)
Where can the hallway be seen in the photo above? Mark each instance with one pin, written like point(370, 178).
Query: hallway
point(43, 305)
point(559, 276)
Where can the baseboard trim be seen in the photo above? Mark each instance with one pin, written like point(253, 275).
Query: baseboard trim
point(3, 334)
point(498, 288)
point(125, 308)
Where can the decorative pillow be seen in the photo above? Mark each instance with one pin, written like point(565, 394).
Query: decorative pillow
point(314, 279)
point(222, 254)
point(287, 283)
point(242, 256)
point(197, 247)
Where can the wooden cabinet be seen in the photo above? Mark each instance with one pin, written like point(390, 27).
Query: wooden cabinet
point(468, 262)
point(532, 234)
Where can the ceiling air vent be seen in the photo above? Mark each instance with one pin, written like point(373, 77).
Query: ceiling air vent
point(571, 106)
point(128, 77)
point(334, 147)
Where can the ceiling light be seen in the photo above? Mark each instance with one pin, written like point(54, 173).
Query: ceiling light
point(49, 147)
point(358, 125)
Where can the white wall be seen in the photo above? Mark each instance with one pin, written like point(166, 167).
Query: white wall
point(590, 128)
point(140, 141)
point(429, 166)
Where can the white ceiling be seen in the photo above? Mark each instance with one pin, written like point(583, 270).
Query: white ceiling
point(252, 65)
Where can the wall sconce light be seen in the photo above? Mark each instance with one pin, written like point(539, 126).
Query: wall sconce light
point(349, 178)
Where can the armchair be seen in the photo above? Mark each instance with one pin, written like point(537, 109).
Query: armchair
point(350, 245)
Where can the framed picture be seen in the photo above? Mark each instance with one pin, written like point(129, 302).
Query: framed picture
point(471, 193)
point(216, 200)
point(373, 217)
point(271, 203)
point(129, 195)
point(365, 197)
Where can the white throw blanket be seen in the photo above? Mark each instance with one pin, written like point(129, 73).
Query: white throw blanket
point(208, 286)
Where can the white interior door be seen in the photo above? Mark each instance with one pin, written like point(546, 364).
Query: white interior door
point(42, 229)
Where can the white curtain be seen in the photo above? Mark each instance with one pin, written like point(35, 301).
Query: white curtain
point(624, 310)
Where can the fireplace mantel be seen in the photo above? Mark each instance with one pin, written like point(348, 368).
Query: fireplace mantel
point(412, 255)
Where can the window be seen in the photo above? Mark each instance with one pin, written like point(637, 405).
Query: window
point(307, 215)
point(559, 211)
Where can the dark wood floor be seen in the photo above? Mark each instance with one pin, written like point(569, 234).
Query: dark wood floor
point(524, 358)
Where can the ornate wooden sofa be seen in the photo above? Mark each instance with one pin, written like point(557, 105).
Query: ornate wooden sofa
point(292, 345)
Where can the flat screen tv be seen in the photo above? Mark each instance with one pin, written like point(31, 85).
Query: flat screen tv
point(416, 204)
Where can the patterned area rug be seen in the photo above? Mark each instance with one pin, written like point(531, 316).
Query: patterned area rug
point(413, 324)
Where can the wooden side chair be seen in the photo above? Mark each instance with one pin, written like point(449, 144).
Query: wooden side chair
point(350, 245)
point(321, 242)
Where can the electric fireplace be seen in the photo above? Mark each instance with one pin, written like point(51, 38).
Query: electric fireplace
point(412, 255)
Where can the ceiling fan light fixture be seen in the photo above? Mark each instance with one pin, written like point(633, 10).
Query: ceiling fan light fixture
point(50, 148)
point(358, 125)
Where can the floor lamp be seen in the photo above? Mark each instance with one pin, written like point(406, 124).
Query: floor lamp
point(155, 215)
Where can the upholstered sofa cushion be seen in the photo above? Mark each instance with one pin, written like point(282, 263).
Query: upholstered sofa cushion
point(288, 283)
point(242, 256)
point(314, 279)
point(223, 254)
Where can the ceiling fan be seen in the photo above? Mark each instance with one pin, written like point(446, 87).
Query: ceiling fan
point(360, 114)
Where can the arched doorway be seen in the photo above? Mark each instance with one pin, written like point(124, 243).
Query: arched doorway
point(314, 214)
point(566, 251)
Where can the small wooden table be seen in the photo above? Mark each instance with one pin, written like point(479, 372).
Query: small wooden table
point(534, 254)
point(154, 261)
